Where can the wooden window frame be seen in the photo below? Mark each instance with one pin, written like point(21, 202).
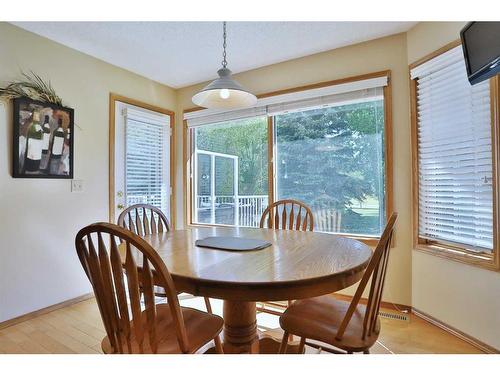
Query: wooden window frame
point(441, 248)
point(113, 98)
point(387, 93)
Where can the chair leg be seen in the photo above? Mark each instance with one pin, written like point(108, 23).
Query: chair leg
point(284, 342)
point(208, 305)
point(290, 338)
point(301, 345)
point(367, 351)
point(218, 345)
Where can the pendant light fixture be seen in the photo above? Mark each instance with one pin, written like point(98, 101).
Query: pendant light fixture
point(224, 92)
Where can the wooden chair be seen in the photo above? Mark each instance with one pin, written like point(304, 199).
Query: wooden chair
point(160, 328)
point(145, 219)
point(349, 326)
point(288, 214)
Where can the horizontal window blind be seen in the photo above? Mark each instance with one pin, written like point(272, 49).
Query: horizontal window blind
point(146, 158)
point(359, 96)
point(454, 154)
point(214, 118)
point(339, 94)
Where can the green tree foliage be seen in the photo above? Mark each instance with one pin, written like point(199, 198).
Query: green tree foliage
point(331, 153)
point(246, 139)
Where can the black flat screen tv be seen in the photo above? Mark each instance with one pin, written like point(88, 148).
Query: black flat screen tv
point(481, 46)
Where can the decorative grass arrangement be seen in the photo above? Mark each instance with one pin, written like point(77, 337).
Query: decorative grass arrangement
point(33, 87)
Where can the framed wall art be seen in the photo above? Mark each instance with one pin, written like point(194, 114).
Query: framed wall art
point(42, 140)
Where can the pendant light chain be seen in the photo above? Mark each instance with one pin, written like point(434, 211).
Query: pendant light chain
point(224, 92)
point(224, 61)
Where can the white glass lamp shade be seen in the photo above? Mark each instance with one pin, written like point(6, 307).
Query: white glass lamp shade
point(224, 93)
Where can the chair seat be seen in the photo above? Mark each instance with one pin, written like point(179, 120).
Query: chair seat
point(201, 327)
point(319, 319)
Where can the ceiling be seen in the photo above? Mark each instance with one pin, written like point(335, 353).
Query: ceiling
point(179, 54)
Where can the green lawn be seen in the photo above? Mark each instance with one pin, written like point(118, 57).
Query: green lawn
point(364, 218)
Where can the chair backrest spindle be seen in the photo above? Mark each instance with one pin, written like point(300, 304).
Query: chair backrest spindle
point(288, 214)
point(144, 219)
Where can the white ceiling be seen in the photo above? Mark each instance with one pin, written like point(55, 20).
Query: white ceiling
point(179, 54)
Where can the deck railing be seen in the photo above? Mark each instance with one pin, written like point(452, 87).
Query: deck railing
point(223, 210)
point(248, 211)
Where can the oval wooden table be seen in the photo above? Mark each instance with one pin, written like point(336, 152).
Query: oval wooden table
point(297, 265)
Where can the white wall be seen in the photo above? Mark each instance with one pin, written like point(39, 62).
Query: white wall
point(40, 217)
point(465, 297)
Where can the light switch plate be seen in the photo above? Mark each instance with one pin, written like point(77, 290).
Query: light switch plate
point(76, 185)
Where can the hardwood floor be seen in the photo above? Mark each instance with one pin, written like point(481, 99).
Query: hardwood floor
point(78, 329)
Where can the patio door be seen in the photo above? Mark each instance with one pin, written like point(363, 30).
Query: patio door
point(141, 159)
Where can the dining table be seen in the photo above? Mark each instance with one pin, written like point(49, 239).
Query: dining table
point(297, 265)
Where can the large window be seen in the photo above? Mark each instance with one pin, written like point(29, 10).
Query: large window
point(332, 159)
point(326, 147)
point(455, 149)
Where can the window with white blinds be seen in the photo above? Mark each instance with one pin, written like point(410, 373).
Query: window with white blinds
point(454, 154)
point(146, 158)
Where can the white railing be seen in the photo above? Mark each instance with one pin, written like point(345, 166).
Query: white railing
point(326, 220)
point(246, 213)
point(250, 209)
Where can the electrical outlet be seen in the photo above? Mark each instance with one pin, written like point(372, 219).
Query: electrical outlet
point(76, 185)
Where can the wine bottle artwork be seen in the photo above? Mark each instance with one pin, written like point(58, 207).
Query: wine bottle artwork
point(42, 140)
point(34, 144)
point(46, 135)
point(45, 143)
point(57, 141)
point(66, 146)
point(57, 149)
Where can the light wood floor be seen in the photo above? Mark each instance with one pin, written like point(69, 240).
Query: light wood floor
point(78, 329)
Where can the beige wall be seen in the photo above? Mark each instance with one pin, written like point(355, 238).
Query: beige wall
point(465, 297)
point(377, 55)
point(39, 218)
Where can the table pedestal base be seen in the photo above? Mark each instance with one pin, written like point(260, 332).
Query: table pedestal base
point(240, 333)
point(240, 327)
point(266, 345)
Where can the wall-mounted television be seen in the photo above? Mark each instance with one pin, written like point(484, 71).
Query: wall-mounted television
point(481, 46)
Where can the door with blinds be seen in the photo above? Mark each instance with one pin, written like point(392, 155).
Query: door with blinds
point(142, 158)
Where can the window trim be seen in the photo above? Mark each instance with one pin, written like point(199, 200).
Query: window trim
point(113, 98)
point(441, 248)
point(387, 92)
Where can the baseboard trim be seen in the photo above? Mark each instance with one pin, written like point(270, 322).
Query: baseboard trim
point(384, 304)
point(461, 335)
point(45, 310)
